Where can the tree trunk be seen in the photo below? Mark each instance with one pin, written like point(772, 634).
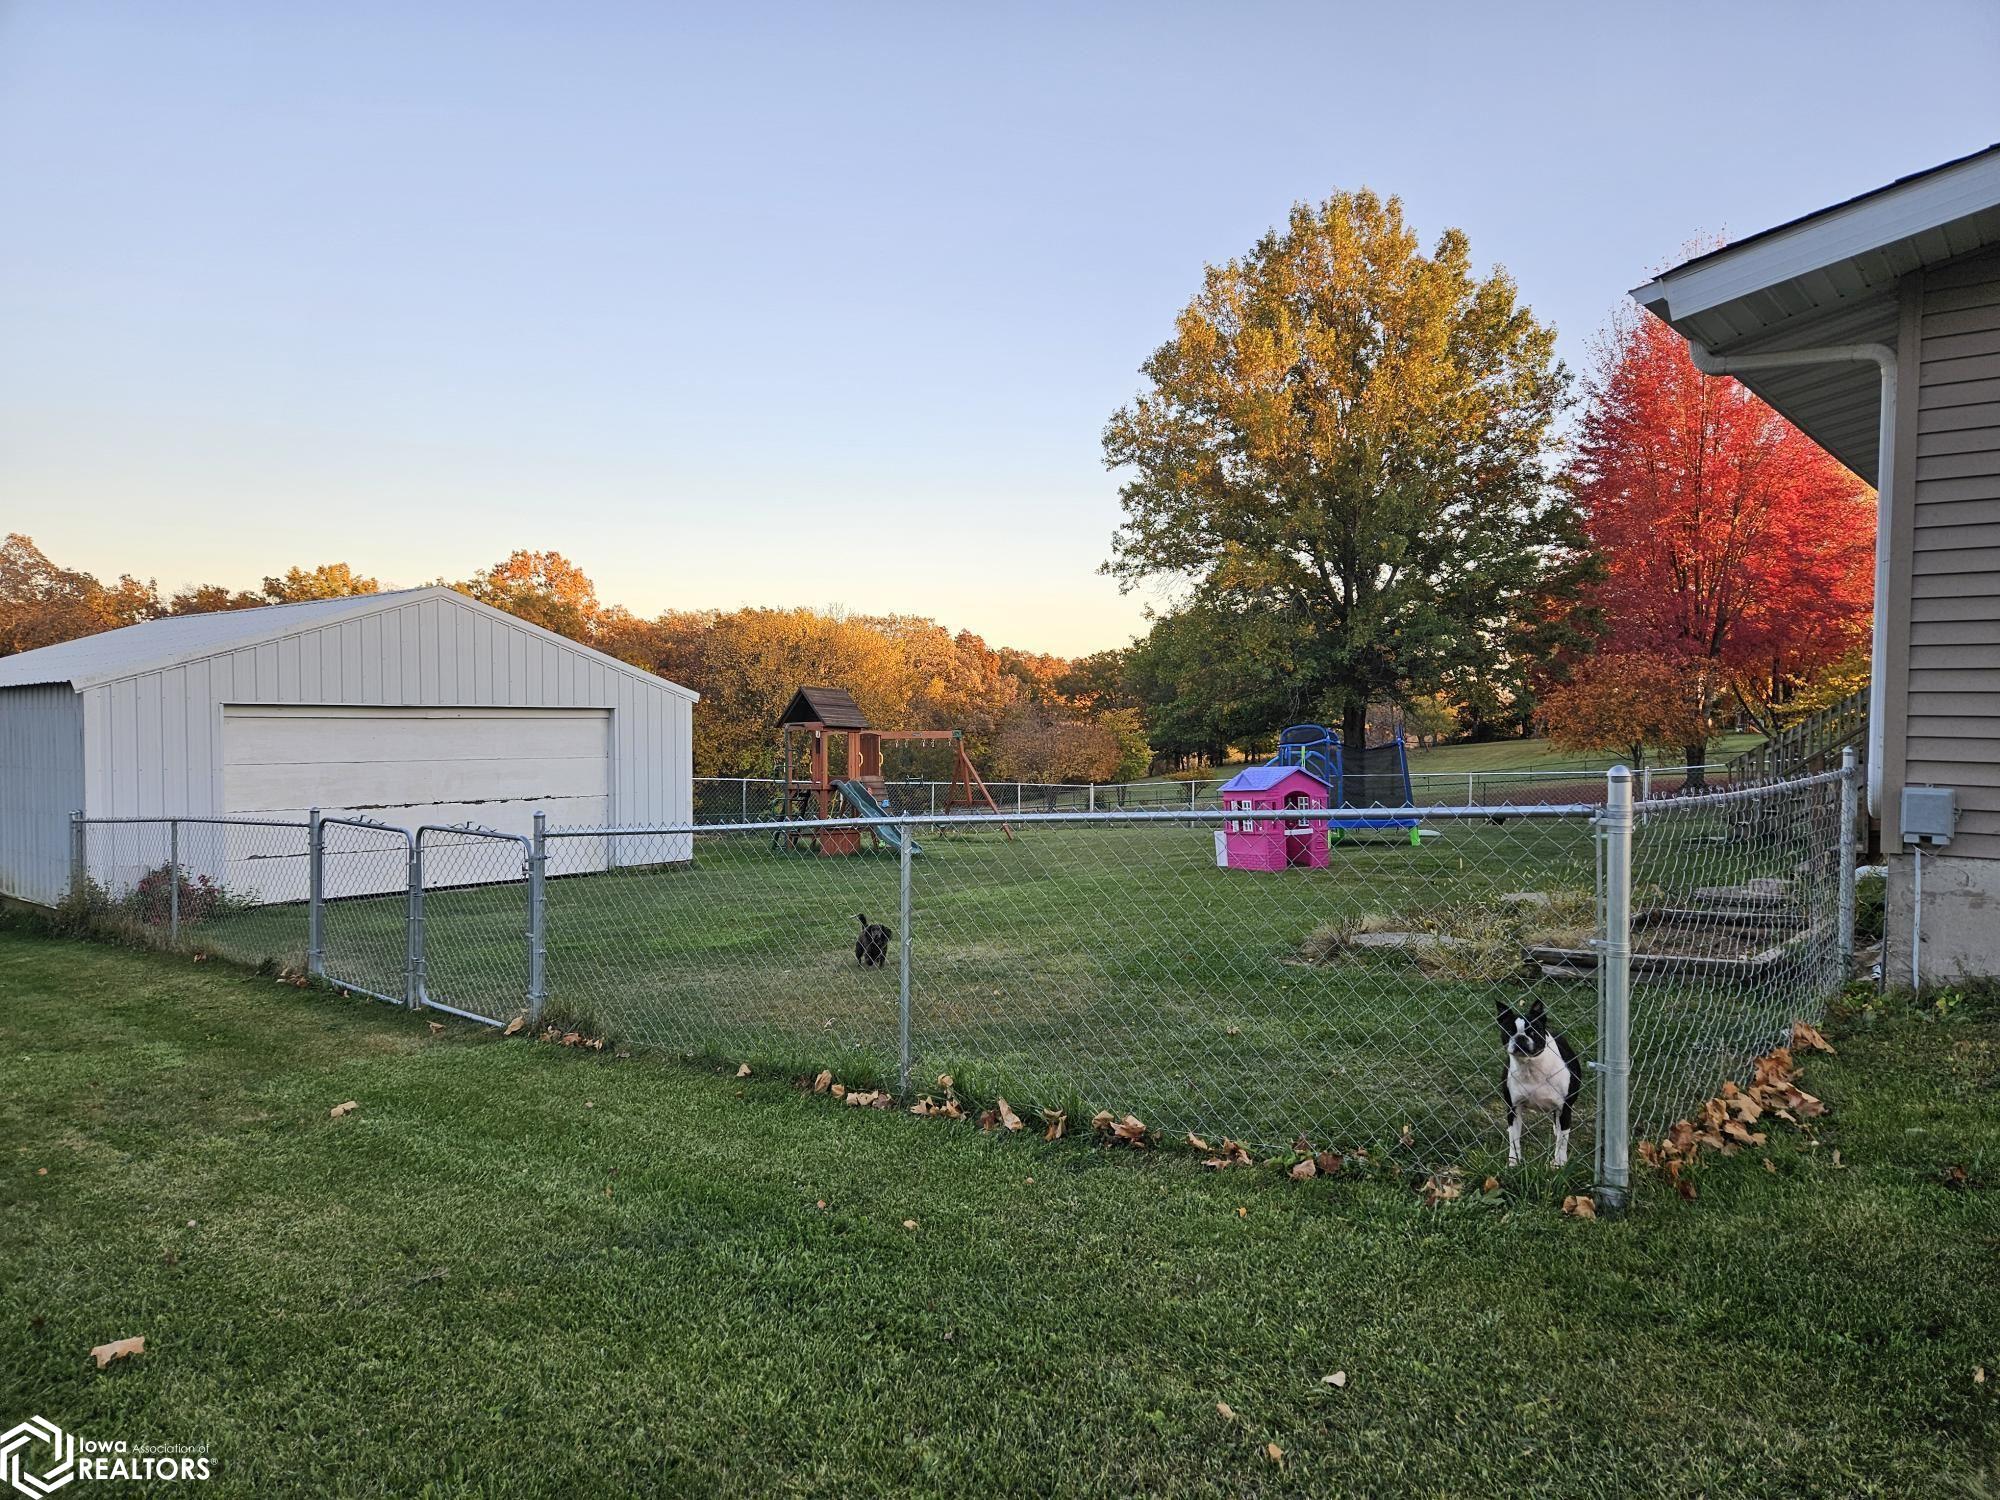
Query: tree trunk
point(1354, 728)
point(1697, 778)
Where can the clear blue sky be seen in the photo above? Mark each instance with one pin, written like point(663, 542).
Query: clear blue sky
point(818, 305)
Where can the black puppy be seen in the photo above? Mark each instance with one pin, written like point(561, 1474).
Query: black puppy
point(1542, 1073)
point(871, 949)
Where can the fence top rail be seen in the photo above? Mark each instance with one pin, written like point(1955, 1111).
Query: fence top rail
point(1358, 817)
point(473, 830)
point(1695, 800)
point(188, 818)
point(373, 825)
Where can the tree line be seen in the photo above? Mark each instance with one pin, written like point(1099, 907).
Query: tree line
point(1026, 715)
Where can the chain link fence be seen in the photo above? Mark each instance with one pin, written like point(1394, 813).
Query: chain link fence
point(751, 799)
point(1154, 963)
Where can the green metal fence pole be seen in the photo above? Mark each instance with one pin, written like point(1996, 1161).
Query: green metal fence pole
point(79, 859)
point(1614, 999)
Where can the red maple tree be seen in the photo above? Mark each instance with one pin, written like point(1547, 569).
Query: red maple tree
point(1732, 545)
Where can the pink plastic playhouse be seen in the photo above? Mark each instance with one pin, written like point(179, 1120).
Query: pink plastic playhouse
point(1258, 835)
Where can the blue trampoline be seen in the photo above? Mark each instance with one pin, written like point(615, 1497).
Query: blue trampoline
point(1377, 776)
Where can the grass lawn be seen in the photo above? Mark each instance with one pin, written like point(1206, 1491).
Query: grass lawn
point(1523, 755)
point(1086, 968)
point(524, 1269)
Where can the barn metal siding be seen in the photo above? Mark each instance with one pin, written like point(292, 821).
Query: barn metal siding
point(152, 741)
point(1950, 734)
point(41, 784)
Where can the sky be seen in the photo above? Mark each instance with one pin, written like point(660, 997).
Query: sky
point(821, 305)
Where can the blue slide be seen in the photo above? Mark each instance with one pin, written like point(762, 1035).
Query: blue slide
point(863, 802)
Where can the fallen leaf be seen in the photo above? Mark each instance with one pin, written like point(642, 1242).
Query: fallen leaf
point(1979, 1374)
point(1807, 1036)
point(1770, 1166)
point(1836, 1158)
point(344, 1109)
point(951, 1110)
point(1409, 1135)
point(820, 1204)
point(1303, 1170)
point(514, 1026)
point(1242, 1212)
point(118, 1349)
point(1329, 1162)
point(944, 1082)
point(839, 1091)
point(1198, 1143)
point(1276, 1454)
point(41, 1171)
point(1490, 1185)
point(1103, 1120)
point(988, 1118)
point(824, 1082)
point(1301, 1146)
point(1338, 1379)
point(437, 1028)
point(923, 1107)
point(1131, 1130)
point(1055, 1122)
point(1443, 1188)
point(571, 1038)
point(1232, 1031)
point(1579, 1206)
point(1007, 1116)
point(909, 1223)
point(1228, 1412)
point(742, 1071)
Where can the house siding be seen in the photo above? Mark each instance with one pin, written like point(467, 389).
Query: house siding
point(41, 784)
point(1946, 710)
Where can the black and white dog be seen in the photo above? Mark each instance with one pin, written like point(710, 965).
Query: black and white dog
point(1542, 1073)
point(871, 949)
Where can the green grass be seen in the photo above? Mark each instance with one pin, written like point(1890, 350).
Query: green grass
point(1079, 968)
point(521, 1269)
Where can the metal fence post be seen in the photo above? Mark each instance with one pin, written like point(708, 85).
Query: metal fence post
point(1848, 841)
point(174, 881)
point(315, 896)
point(746, 801)
point(1645, 783)
point(903, 976)
point(1614, 999)
point(413, 929)
point(538, 909)
point(79, 858)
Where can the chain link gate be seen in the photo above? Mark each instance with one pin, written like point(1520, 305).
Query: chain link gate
point(475, 922)
point(363, 875)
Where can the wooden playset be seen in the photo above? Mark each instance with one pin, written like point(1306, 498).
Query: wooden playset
point(816, 786)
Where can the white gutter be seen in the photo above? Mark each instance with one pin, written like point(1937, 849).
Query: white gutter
point(1884, 359)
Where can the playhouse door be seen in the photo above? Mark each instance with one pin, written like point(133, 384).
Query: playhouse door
point(1298, 833)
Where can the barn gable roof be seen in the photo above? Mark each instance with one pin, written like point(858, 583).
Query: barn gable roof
point(831, 706)
point(154, 645)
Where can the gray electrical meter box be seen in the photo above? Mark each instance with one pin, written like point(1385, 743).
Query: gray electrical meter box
point(1930, 814)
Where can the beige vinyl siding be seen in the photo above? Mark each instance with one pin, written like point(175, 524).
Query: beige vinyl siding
point(1951, 699)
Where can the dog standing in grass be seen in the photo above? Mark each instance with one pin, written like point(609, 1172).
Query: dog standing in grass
point(1542, 1073)
point(871, 948)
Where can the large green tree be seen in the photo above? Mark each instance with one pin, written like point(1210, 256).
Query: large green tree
point(1348, 434)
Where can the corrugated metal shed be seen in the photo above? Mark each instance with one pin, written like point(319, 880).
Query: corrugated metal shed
point(211, 715)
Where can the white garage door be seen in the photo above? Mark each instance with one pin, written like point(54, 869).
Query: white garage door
point(410, 766)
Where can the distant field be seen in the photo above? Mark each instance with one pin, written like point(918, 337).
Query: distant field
point(1523, 755)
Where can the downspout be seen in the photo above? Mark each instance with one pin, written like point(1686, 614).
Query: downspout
point(1884, 359)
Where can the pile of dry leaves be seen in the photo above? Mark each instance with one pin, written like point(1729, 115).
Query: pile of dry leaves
point(1723, 1124)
